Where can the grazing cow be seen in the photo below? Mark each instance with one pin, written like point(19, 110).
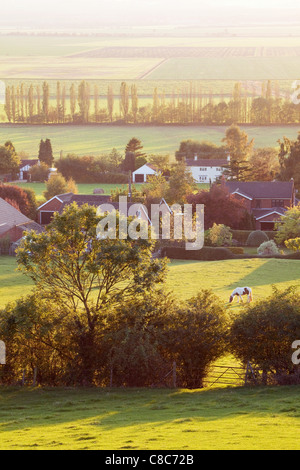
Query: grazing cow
point(239, 292)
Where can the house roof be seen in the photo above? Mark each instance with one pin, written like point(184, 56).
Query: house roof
point(262, 213)
point(146, 165)
point(207, 162)
point(262, 189)
point(10, 217)
point(28, 162)
point(81, 199)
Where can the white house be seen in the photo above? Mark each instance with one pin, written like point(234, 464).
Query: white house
point(141, 174)
point(205, 170)
point(25, 167)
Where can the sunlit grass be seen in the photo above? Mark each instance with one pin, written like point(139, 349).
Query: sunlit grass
point(261, 418)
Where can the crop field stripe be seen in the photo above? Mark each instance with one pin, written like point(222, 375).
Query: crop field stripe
point(144, 75)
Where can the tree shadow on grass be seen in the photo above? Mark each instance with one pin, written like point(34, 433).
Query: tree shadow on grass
point(110, 409)
point(273, 271)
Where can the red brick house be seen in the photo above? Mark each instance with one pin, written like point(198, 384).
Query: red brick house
point(57, 203)
point(266, 200)
point(13, 223)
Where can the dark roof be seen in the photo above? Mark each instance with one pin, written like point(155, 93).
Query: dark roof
point(28, 162)
point(32, 226)
point(263, 189)
point(258, 213)
point(81, 199)
point(207, 162)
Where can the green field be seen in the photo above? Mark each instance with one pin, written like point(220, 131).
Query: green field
point(110, 419)
point(219, 418)
point(39, 188)
point(97, 140)
point(253, 68)
point(186, 278)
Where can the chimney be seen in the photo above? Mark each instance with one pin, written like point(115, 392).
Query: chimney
point(196, 157)
point(228, 159)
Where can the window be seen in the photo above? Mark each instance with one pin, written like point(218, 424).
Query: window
point(203, 169)
point(202, 178)
point(277, 203)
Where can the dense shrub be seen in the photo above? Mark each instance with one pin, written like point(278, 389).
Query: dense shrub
point(268, 248)
point(237, 250)
point(25, 199)
point(39, 172)
point(205, 254)
point(293, 244)
point(241, 236)
point(197, 336)
point(220, 235)
point(256, 238)
point(264, 333)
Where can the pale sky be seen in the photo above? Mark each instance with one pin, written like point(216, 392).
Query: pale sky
point(139, 11)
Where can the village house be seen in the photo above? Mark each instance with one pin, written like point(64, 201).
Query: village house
point(57, 204)
point(205, 170)
point(13, 223)
point(141, 174)
point(25, 167)
point(266, 200)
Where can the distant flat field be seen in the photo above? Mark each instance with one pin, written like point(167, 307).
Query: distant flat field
point(116, 57)
point(75, 68)
point(228, 68)
point(97, 140)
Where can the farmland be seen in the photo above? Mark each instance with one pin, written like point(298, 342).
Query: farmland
point(99, 140)
point(185, 279)
point(228, 68)
point(116, 57)
point(219, 418)
point(118, 419)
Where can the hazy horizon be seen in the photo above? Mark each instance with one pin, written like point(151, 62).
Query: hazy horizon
point(138, 13)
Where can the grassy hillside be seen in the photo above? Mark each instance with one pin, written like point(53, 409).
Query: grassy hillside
point(99, 140)
point(260, 418)
point(186, 278)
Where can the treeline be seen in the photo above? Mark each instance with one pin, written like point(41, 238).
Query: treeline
point(83, 104)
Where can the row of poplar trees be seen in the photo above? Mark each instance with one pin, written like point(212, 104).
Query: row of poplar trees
point(83, 103)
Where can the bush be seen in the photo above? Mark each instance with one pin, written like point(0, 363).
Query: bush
point(220, 235)
point(268, 249)
point(293, 244)
point(264, 333)
point(205, 254)
point(197, 336)
point(39, 172)
point(256, 238)
point(58, 185)
point(241, 236)
point(236, 250)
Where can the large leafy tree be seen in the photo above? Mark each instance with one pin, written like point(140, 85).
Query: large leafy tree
point(288, 226)
point(289, 159)
point(189, 148)
point(239, 148)
point(264, 333)
point(85, 276)
point(181, 184)
point(9, 160)
point(221, 207)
